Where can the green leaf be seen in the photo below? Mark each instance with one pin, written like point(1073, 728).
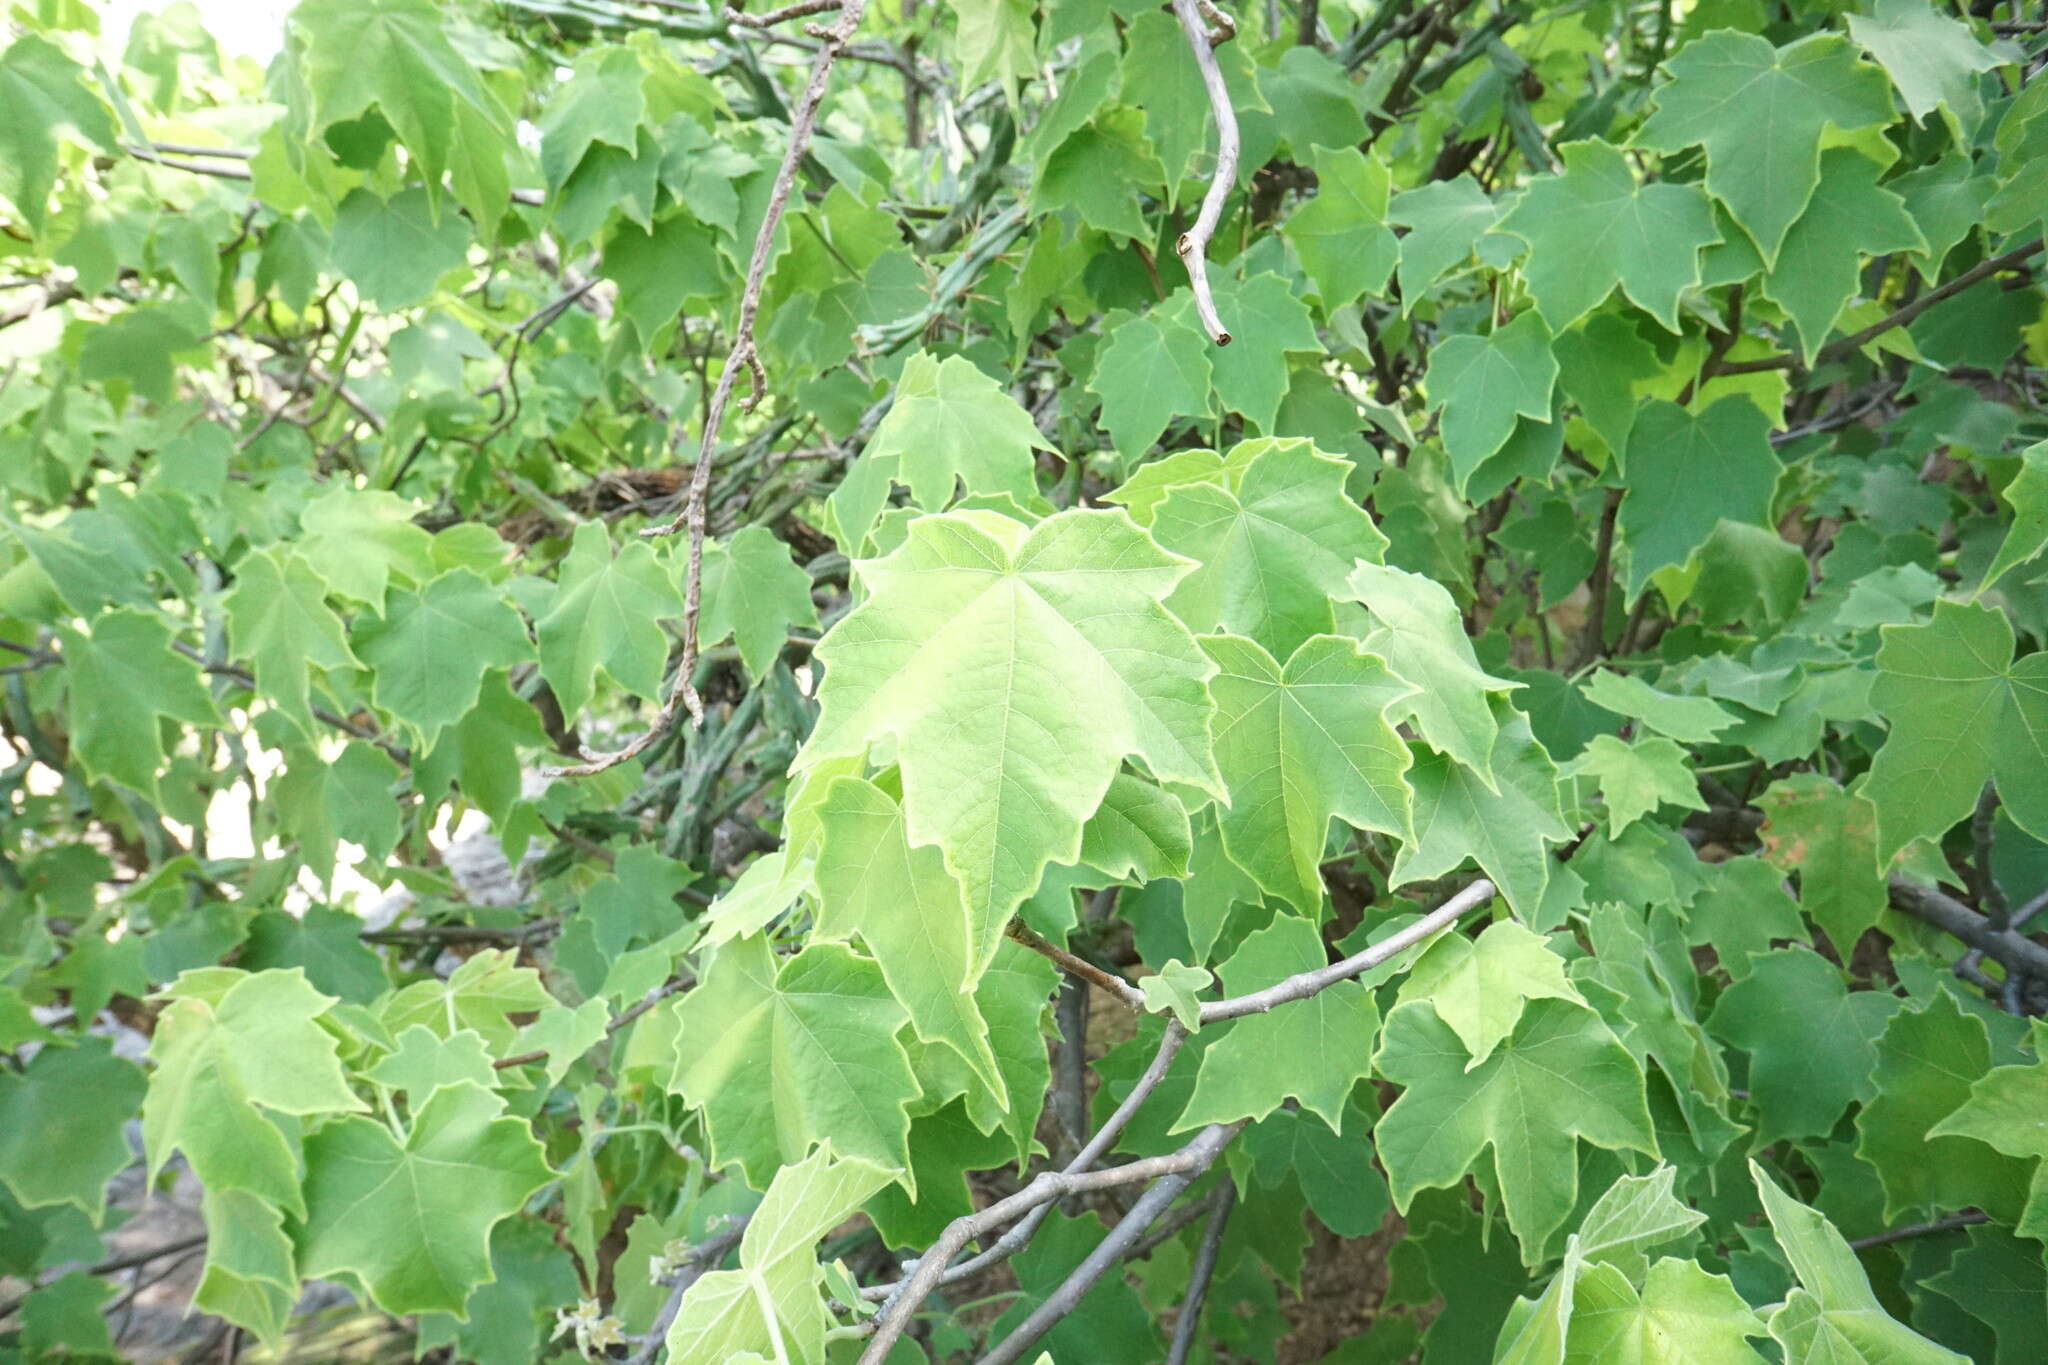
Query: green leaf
point(2003, 1282)
point(1635, 1214)
point(1479, 986)
point(1558, 1077)
point(43, 96)
point(1152, 370)
point(411, 1218)
point(62, 1123)
point(2027, 495)
point(139, 346)
point(123, 676)
point(1927, 1061)
point(753, 591)
point(1932, 58)
point(423, 1063)
point(1744, 907)
point(1761, 112)
point(1961, 712)
point(279, 620)
point(358, 540)
point(1690, 720)
point(478, 995)
point(2004, 1111)
point(1298, 745)
point(481, 752)
point(1418, 631)
point(605, 614)
point(994, 40)
point(952, 424)
point(1848, 218)
point(601, 102)
point(1683, 1315)
point(1636, 778)
point(1503, 827)
point(1445, 220)
point(908, 909)
point(1267, 322)
point(1273, 536)
point(1311, 1050)
point(394, 250)
point(1172, 989)
point(783, 1058)
point(400, 57)
point(1811, 1042)
point(976, 635)
point(1593, 227)
point(1484, 383)
point(257, 1045)
point(1833, 1316)
point(1094, 171)
point(1341, 234)
point(429, 651)
point(251, 1275)
point(321, 802)
point(1688, 471)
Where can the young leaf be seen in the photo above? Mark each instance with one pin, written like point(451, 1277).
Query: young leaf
point(754, 592)
point(429, 651)
point(1479, 986)
point(1635, 779)
point(605, 614)
point(1485, 383)
point(123, 676)
point(2004, 1111)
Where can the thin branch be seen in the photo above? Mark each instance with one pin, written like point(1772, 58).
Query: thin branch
point(1302, 985)
point(799, 10)
point(1070, 1090)
point(1953, 1222)
point(1193, 1159)
point(1126, 994)
point(1899, 317)
point(683, 696)
point(1193, 244)
point(2013, 950)
point(1199, 1276)
point(1049, 1186)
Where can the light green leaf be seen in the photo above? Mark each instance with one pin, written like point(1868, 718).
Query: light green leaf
point(952, 424)
point(1684, 1315)
point(279, 620)
point(424, 1062)
point(321, 802)
point(1690, 720)
point(43, 96)
point(2027, 495)
point(753, 591)
point(357, 541)
point(600, 102)
point(1849, 218)
point(1504, 828)
point(1173, 989)
point(1636, 778)
point(908, 909)
point(1483, 383)
point(1593, 227)
point(1095, 171)
point(1560, 1076)
point(411, 1218)
point(1961, 712)
point(1273, 537)
point(1479, 986)
point(605, 614)
point(1833, 1318)
point(1445, 220)
point(781, 1058)
point(994, 42)
point(1298, 745)
point(1933, 59)
point(1761, 112)
point(259, 1045)
point(1420, 634)
point(478, 995)
point(976, 637)
point(251, 1275)
point(1636, 1213)
point(1311, 1050)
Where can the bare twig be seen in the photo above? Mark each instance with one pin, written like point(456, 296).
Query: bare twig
point(2012, 949)
point(1302, 985)
point(1126, 994)
point(1193, 245)
point(743, 354)
point(799, 10)
point(1181, 1165)
point(1191, 1160)
point(1952, 1223)
point(1200, 1274)
point(1070, 1090)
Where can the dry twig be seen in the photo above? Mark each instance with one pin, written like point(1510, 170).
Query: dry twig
point(1193, 245)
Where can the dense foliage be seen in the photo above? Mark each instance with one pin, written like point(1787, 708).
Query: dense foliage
point(1536, 504)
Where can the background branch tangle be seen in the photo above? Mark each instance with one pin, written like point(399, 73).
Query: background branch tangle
point(940, 865)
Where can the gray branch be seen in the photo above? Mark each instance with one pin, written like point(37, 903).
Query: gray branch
point(1193, 245)
point(1200, 1274)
